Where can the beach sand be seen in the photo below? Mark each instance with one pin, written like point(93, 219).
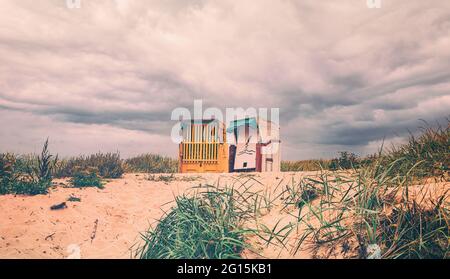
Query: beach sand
point(107, 222)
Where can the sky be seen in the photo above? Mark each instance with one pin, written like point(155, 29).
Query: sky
point(107, 75)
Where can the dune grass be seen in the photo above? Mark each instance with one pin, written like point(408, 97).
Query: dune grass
point(373, 207)
point(305, 165)
point(151, 163)
point(83, 178)
point(27, 175)
point(110, 165)
point(205, 225)
point(426, 155)
point(32, 174)
point(382, 203)
point(376, 204)
point(107, 165)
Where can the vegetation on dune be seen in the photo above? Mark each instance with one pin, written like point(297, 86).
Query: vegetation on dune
point(6, 172)
point(207, 225)
point(305, 165)
point(74, 199)
point(415, 232)
point(346, 160)
point(32, 174)
point(373, 207)
point(377, 204)
point(27, 175)
point(151, 163)
point(83, 178)
point(426, 155)
point(380, 203)
point(108, 165)
point(375, 211)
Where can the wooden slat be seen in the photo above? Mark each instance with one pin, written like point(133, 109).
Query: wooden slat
point(201, 144)
point(200, 151)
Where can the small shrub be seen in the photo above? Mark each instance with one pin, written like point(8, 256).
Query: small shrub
point(151, 163)
point(25, 162)
point(27, 175)
point(7, 174)
point(86, 178)
point(346, 160)
point(206, 226)
point(29, 187)
point(422, 156)
point(108, 165)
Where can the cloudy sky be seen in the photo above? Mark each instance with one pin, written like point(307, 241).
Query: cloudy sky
point(107, 76)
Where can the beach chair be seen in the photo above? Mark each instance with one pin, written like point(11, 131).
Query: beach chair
point(203, 148)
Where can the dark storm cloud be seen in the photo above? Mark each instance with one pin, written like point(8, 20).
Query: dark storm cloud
point(344, 76)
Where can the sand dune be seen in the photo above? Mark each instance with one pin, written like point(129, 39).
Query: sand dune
point(126, 207)
point(107, 222)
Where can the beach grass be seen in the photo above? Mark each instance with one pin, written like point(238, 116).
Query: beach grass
point(205, 225)
point(382, 205)
point(27, 175)
point(151, 163)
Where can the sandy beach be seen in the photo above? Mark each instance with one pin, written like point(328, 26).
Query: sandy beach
point(106, 223)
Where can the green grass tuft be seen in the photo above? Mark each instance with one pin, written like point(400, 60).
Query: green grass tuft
point(86, 178)
point(27, 175)
point(207, 225)
point(151, 163)
point(108, 165)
